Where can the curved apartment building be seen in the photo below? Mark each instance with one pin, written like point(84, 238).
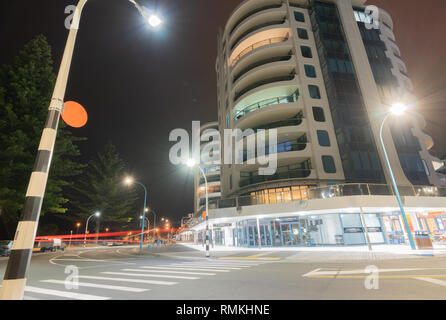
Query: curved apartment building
point(280, 66)
point(325, 75)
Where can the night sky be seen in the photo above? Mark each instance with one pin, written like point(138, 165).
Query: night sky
point(138, 84)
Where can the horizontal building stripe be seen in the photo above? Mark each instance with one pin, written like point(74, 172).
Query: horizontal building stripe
point(52, 120)
point(32, 208)
point(18, 264)
point(12, 289)
point(37, 184)
point(48, 139)
point(42, 161)
point(25, 234)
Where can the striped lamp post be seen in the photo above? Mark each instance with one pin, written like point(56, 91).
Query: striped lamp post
point(14, 281)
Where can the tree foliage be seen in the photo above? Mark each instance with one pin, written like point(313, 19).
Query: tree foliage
point(25, 92)
point(100, 188)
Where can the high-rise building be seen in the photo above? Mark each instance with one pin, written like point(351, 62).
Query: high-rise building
point(325, 75)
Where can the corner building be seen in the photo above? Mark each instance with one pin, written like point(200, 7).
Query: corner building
point(324, 74)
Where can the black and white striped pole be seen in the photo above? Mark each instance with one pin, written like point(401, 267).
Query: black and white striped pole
point(14, 281)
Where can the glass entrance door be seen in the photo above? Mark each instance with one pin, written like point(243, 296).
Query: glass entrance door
point(265, 236)
point(291, 235)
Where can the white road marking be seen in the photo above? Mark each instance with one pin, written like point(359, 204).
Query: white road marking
point(434, 281)
point(316, 272)
point(102, 286)
point(200, 266)
point(164, 283)
point(178, 272)
point(65, 294)
point(214, 265)
point(187, 269)
point(150, 275)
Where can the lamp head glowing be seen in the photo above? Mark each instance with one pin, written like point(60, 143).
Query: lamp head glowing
point(191, 163)
point(398, 109)
point(128, 181)
point(97, 214)
point(154, 21)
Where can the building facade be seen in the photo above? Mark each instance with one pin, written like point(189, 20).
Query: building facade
point(324, 74)
point(212, 171)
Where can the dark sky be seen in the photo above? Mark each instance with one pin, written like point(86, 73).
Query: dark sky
point(138, 85)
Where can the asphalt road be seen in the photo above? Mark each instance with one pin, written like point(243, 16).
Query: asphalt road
point(179, 273)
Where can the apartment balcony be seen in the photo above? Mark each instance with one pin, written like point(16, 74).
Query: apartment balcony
point(247, 9)
point(263, 84)
point(253, 67)
point(257, 21)
point(263, 40)
point(255, 179)
point(277, 108)
point(287, 127)
point(265, 74)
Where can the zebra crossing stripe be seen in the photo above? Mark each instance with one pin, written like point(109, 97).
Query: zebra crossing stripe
point(163, 283)
point(64, 294)
point(203, 266)
point(102, 286)
point(176, 272)
point(150, 275)
point(187, 269)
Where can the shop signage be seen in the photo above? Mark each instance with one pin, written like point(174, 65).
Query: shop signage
point(374, 229)
point(222, 225)
point(353, 230)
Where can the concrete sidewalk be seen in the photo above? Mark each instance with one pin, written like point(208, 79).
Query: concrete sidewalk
point(327, 254)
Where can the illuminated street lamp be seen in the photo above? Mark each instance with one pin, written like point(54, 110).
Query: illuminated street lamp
point(77, 227)
point(191, 163)
point(397, 109)
point(129, 181)
point(97, 214)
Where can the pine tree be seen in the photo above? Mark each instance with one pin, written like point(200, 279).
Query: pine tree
point(100, 188)
point(26, 86)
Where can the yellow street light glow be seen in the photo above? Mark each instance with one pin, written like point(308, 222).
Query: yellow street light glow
point(128, 180)
point(398, 109)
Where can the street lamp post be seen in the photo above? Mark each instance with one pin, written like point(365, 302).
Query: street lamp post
point(191, 163)
point(397, 109)
point(130, 181)
point(96, 214)
point(154, 222)
point(148, 227)
point(14, 280)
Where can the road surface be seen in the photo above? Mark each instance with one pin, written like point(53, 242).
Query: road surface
point(180, 273)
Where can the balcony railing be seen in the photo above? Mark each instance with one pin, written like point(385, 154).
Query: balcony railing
point(258, 45)
point(257, 27)
point(334, 191)
point(257, 84)
point(266, 103)
point(253, 12)
point(290, 174)
point(281, 147)
point(260, 63)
